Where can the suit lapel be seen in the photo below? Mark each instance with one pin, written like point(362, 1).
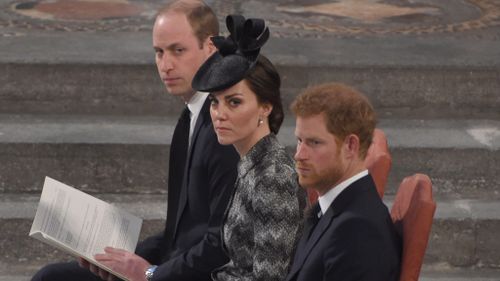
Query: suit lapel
point(305, 245)
point(178, 157)
point(203, 117)
point(306, 233)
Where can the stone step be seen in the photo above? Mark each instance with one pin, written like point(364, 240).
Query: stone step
point(463, 234)
point(472, 224)
point(461, 157)
point(84, 89)
point(24, 274)
point(102, 154)
point(460, 275)
point(428, 75)
point(95, 154)
point(476, 276)
point(410, 92)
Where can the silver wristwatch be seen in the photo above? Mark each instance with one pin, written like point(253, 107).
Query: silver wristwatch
point(149, 272)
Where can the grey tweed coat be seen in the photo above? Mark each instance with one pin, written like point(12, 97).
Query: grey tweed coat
point(263, 221)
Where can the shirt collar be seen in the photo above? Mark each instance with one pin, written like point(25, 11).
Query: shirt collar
point(326, 200)
point(196, 102)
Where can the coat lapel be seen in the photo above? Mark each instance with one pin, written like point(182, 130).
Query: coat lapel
point(203, 117)
point(305, 245)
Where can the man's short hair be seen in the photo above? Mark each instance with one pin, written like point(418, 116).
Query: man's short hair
point(200, 16)
point(346, 111)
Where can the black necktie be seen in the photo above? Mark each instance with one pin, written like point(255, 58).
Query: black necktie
point(178, 157)
point(179, 148)
point(312, 220)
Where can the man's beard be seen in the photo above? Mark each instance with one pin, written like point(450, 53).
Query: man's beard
point(323, 181)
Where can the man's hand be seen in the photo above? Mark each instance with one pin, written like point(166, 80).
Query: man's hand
point(96, 270)
point(123, 262)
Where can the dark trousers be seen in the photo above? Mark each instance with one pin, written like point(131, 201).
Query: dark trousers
point(63, 272)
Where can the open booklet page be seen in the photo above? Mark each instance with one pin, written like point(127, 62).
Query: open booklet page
point(82, 225)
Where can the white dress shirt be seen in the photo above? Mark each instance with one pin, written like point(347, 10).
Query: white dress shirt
point(194, 105)
point(326, 200)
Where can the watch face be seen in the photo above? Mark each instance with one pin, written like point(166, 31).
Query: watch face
point(149, 272)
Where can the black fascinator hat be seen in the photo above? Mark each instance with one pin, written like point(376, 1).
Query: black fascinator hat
point(235, 56)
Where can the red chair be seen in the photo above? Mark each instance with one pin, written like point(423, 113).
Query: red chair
point(378, 161)
point(413, 213)
point(312, 195)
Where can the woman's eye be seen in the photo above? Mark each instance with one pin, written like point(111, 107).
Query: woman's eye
point(234, 102)
point(213, 101)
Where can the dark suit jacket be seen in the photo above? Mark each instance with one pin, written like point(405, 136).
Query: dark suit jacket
point(190, 248)
point(354, 240)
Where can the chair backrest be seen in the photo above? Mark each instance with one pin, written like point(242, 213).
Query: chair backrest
point(379, 161)
point(413, 213)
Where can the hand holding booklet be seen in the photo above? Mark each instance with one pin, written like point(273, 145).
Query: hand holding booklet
point(82, 225)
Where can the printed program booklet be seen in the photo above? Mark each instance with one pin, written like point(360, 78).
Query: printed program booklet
point(82, 225)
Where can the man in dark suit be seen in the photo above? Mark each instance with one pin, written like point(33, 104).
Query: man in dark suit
point(349, 234)
point(201, 174)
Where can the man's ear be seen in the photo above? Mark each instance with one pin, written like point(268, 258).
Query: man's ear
point(351, 145)
point(209, 46)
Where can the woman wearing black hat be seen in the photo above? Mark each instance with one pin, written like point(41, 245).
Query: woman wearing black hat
point(262, 222)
